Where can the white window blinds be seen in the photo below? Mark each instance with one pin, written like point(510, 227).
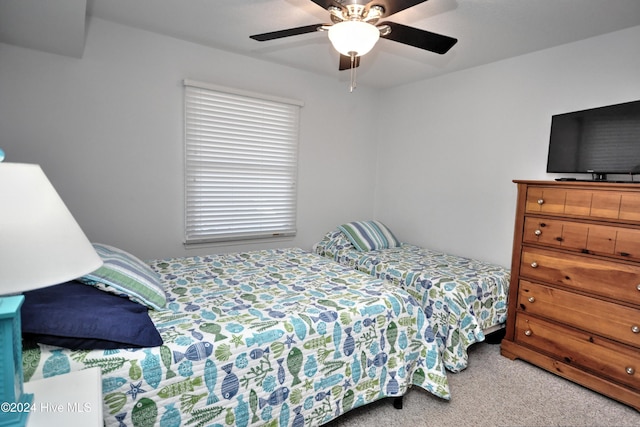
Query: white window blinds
point(241, 164)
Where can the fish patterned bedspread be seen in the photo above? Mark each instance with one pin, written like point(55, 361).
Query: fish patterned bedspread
point(276, 337)
point(460, 296)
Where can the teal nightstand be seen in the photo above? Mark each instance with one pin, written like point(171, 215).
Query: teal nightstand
point(14, 403)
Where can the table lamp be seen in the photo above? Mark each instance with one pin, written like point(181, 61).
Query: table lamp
point(40, 245)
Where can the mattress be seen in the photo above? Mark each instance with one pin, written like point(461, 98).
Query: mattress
point(461, 297)
point(278, 337)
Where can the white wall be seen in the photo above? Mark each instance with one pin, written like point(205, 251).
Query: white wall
point(451, 146)
point(108, 131)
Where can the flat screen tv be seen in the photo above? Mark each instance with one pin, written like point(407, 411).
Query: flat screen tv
point(598, 141)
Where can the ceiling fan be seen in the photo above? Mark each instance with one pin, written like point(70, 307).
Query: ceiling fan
point(355, 29)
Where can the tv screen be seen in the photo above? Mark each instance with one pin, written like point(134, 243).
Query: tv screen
point(599, 141)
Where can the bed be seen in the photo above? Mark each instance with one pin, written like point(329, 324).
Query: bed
point(278, 337)
point(464, 299)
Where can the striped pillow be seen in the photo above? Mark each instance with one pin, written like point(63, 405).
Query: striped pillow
point(123, 273)
point(369, 235)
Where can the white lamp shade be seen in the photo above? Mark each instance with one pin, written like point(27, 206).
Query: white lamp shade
point(41, 244)
point(353, 36)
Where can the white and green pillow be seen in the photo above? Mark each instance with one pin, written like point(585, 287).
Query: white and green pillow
point(369, 235)
point(124, 274)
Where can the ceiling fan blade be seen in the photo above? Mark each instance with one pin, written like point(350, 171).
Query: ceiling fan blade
point(419, 38)
point(345, 62)
point(395, 6)
point(326, 3)
point(287, 33)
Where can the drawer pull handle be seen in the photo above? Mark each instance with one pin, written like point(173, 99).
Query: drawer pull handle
point(635, 329)
point(638, 287)
point(528, 332)
point(531, 299)
point(629, 370)
point(540, 201)
point(534, 264)
point(537, 232)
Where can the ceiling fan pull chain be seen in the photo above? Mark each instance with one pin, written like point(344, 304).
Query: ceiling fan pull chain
point(353, 71)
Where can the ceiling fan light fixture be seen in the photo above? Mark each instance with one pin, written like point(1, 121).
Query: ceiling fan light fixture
point(353, 36)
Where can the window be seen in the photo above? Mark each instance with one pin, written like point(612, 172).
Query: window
point(241, 164)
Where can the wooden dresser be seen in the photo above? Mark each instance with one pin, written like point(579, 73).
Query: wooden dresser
point(574, 297)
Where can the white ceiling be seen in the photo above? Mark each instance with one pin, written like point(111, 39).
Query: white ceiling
point(56, 26)
point(487, 30)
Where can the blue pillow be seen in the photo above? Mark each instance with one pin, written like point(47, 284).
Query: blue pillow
point(77, 316)
point(369, 235)
point(124, 274)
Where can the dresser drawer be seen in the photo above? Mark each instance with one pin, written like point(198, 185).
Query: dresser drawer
point(611, 279)
point(585, 237)
point(599, 355)
point(597, 204)
point(591, 314)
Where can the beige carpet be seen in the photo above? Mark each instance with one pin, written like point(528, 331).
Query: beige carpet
point(495, 391)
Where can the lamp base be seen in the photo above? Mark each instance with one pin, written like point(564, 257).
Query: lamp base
point(16, 413)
